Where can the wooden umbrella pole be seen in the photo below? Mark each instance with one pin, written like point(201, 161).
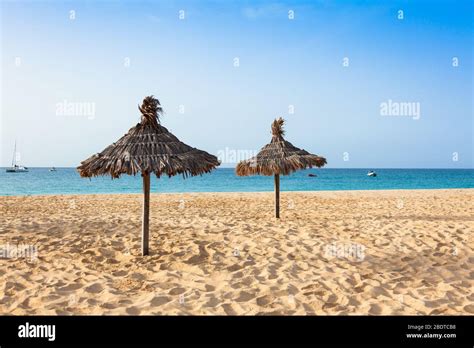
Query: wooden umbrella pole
point(277, 196)
point(146, 213)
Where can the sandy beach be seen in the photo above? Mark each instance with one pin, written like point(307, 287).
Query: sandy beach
point(336, 253)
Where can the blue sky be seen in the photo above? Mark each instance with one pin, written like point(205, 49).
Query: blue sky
point(111, 54)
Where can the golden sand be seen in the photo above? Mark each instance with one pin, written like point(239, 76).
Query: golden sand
point(379, 252)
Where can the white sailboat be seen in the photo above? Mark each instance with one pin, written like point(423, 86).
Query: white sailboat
point(15, 168)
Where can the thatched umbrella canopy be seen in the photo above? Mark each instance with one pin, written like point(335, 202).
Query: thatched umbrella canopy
point(278, 157)
point(148, 148)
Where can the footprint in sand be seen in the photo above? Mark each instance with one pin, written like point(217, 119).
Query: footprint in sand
point(210, 288)
point(159, 300)
point(198, 259)
point(244, 296)
point(213, 301)
point(70, 287)
point(138, 276)
point(236, 286)
point(265, 300)
point(14, 286)
point(332, 298)
point(177, 291)
point(378, 291)
point(234, 267)
point(49, 298)
point(92, 302)
point(120, 273)
point(375, 309)
point(438, 311)
point(94, 288)
point(469, 308)
point(238, 275)
point(228, 309)
point(133, 311)
point(353, 302)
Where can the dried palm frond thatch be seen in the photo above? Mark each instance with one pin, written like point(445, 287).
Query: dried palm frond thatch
point(278, 157)
point(148, 148)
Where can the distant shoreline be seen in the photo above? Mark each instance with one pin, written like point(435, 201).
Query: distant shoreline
point(194, 193)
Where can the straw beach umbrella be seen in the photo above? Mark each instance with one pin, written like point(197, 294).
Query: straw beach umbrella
point(278, 157)
point(148, 148)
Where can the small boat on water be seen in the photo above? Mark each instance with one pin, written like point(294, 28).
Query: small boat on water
point(312, 175)
point(371, 173)
point(15, 168)
point(53, 169)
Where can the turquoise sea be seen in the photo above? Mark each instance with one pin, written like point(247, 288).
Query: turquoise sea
point(40, 181)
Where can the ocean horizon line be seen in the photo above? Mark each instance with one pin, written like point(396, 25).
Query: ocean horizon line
point(237, 192)
point(314, 168)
